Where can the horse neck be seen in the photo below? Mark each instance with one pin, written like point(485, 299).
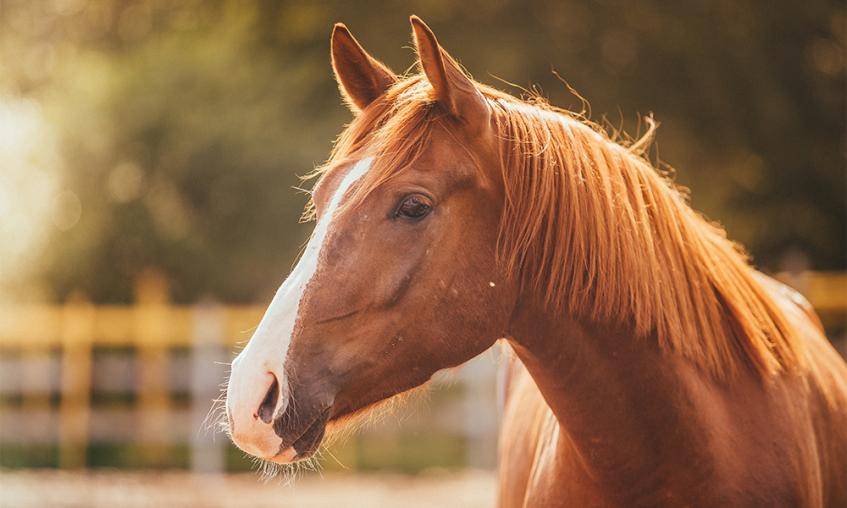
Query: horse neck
point(616, 396)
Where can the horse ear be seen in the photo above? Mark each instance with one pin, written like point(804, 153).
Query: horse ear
point(451, 86)
point(361, 77)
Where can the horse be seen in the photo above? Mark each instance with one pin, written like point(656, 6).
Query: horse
point(650, 363)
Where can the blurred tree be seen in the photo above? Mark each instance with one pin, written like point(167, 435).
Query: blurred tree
point(182, 126)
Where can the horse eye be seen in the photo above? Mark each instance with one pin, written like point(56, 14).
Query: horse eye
point(414, 206)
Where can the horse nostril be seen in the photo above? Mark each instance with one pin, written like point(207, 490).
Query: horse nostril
point(266, 408)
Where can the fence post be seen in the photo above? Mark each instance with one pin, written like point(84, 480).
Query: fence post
point(208, 452)
point(77, 328)
point(151, 340)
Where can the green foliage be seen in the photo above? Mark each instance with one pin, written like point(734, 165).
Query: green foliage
point(183, 126)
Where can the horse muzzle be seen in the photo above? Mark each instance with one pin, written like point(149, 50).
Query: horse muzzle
point(268, 422)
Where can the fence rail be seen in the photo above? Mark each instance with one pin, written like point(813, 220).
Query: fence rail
point(153, 329)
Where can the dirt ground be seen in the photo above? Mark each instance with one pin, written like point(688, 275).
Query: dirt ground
point(182, 489)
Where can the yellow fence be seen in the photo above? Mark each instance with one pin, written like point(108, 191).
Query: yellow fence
point(152, 327)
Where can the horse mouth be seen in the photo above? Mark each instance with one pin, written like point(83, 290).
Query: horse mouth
point(306, 443)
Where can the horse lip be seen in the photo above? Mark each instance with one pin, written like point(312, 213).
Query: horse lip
point(309, 440)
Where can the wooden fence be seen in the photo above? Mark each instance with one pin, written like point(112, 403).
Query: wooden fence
point(153, 329)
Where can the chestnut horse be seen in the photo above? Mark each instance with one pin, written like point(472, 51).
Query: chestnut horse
point(652, 364)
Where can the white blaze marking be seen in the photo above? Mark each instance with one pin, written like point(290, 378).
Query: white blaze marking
point(268, 348)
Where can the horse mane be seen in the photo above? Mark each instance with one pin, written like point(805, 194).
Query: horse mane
point(595, 230)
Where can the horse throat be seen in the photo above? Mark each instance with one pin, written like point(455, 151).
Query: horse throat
point(626, 410)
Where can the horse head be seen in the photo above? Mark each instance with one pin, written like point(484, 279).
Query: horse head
point(399, 278)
